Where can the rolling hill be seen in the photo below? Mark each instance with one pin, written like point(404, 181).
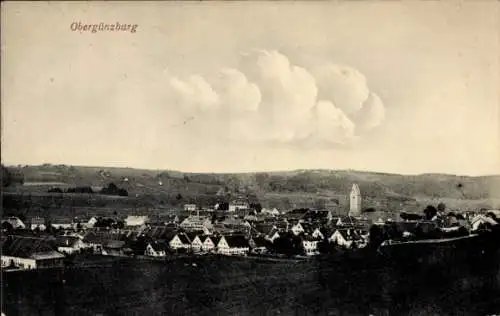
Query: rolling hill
point(287, 189)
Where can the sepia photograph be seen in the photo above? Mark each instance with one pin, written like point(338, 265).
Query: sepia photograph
point(250, 158)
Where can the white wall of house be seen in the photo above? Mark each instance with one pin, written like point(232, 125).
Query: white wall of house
point(317, 234)
point(208, 245)
point(310, 247)
point(62, 226)
point(176, 243)
point(224, 248)
point(338, 239)
point(41, 227)
point(76, 247)
point(21, 263)
point(150, 251)
point(197, 244)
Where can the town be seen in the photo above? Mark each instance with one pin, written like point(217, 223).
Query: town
point(237, 228)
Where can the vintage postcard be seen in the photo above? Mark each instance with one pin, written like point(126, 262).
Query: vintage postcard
point(250, 158)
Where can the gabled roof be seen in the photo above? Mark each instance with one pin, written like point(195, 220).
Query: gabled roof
point(349, 234)
point(158, 246)
point(183, 238)
point(25, 247)
point(308, 228)
point(297, 214)
point(47, 255)
point(194, 220)
point(215, 239)
point(264, 228)
point(317, 215)
point(114, 244)
point(66, 241)
point(485, 219)
point(327, 231)
point(159, 232)
point(37, 220)
point(61, 220)
point(101, 237)
point(192, 235)
point(237, 241)
point(310, 238)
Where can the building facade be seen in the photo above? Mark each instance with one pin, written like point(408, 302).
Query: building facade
point(355, 201)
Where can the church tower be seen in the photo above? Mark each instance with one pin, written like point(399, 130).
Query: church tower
point(355, 201)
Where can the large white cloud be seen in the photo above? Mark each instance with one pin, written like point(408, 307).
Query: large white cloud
point(333, 121)
point(271, 99)
point(236, 92)
point(195, 93)
point(344, 86)
point(371, 114)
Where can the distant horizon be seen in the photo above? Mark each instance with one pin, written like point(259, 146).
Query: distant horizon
point(13, 165)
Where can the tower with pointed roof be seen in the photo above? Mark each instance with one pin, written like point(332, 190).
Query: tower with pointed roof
point(355, 201)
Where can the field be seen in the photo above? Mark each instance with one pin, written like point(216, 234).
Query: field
point(232, 286)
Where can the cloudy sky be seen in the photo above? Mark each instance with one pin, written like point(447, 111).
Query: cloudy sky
point(391, 86)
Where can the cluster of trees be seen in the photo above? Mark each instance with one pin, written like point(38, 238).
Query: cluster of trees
point(105, 222)
point(111, 189)
point(287, 244)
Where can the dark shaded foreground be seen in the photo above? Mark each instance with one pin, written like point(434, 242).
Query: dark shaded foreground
point(349, 284)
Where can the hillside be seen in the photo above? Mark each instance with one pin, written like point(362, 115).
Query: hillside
point(309, 188)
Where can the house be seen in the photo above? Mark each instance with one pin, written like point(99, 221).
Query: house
point(355, 201)
point(159, 232)
point(310, 245)
point(296, 215)
point(495, 214)
point(97, 239)
point(114, 248)
point(197, 223)
point(319, 217)
point(263, 229)
point(90, 222)
point(480, 221)
point(180, 241)
point(346, 238)
point(15, 222)
point(210, 244)
point(318, 234)
point(155, 249)
point(237, 224)
point(233, 245)
point(69, 244)
point(197, 242)
point(136, 220)
point(85, 222)
point(189, 207)
point(38, 223)
point(272, 212)
point(269, 231)
point(30, 253)
point(238, 205)
point(252, 218)
point(350, 221)
point(62, 223)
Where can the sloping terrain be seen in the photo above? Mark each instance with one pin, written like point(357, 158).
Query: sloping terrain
point(310, 188)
